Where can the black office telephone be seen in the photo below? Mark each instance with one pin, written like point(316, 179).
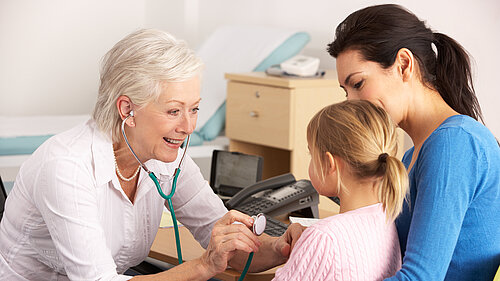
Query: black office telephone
point(275, 196)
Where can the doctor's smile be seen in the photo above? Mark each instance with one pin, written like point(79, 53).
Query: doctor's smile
point(173, 141)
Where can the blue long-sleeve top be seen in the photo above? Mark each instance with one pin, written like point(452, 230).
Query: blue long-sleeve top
point(450, 227)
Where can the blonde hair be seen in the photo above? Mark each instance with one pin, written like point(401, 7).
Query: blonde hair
point(364, 136)
point(136, 67)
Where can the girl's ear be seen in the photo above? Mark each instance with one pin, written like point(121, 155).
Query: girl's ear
point(332, 167)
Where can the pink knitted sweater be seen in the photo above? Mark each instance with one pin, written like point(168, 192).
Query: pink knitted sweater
point(356, 245)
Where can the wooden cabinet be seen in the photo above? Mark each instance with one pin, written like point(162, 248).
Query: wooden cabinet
point(268, 116)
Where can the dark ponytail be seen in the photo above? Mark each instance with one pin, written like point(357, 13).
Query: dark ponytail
point(454, 77)
point(379, 32)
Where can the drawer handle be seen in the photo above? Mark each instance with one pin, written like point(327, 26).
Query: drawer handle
point(254, 114)
point(257, 94)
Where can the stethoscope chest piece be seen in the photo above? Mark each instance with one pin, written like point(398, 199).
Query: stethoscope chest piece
point(259, 224)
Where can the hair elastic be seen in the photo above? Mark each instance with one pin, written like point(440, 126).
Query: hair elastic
point(383, 157)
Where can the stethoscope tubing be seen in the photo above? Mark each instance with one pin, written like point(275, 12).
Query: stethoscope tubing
point(169, 197)
point(171, 207)
point(158, 187)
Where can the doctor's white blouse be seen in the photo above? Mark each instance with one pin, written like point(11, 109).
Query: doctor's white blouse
point(67, 217)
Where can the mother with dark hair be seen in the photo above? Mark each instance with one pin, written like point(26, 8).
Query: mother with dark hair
point(449, 228)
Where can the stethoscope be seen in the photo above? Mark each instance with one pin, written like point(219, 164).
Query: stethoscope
point(158, 187)
point(259, 223)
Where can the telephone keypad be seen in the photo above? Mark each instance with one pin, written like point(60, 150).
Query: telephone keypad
point(273, 227)
point(286, 198)
point(257, 206)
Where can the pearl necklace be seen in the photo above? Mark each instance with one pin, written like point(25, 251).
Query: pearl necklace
point(120, 174)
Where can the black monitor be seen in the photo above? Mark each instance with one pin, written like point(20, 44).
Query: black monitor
point(232, 171)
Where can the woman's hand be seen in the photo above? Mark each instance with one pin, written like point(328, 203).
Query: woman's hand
point(228, 237)
point(286, 242)
point(230, 234)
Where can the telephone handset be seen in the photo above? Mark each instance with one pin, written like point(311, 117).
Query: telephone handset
point(276, 196)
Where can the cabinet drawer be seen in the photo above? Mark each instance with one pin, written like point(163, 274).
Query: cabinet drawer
point(259, 114)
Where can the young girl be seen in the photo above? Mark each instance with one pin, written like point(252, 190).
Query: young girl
point(353, 147)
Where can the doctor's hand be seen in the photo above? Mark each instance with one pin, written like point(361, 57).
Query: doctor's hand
point(228, 237)
point(286, 242)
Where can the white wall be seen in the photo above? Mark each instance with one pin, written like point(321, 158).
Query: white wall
point(50, 50)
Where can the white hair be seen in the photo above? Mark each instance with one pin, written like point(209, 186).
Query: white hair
point(136, 67)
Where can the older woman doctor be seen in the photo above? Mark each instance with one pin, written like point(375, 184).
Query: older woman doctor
point(82, 208)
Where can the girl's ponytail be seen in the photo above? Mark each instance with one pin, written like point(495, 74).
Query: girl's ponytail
point(394, 185)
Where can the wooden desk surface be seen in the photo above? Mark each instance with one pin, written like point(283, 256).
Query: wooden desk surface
point(164, 248)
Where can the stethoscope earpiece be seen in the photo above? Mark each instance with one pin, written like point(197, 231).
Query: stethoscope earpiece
point(131, 113)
